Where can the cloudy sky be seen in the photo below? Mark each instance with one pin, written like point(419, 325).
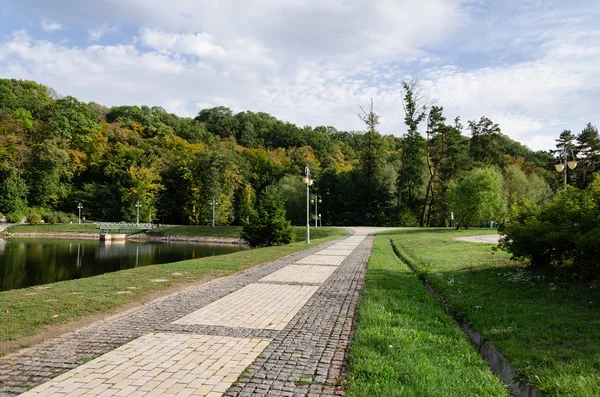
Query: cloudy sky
point(533, 66)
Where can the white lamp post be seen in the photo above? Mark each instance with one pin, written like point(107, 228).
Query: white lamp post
point(316, 199)
point(79, 207)
point(213, 202)
point(137, 206)
point(560, 167)
point(308, 181)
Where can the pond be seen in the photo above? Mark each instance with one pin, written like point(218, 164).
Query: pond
point(29, 262)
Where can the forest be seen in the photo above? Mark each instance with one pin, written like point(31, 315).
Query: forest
point(57, 152)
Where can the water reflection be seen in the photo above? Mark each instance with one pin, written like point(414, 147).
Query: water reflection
point(28, 262)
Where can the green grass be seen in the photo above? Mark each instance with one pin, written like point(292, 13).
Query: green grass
point(406, 345)
point(235, 231)
point(547, 325)
point(60, 228)
point(26, 312)
point(208, 231)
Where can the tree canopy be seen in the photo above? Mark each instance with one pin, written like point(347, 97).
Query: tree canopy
point(56, 152)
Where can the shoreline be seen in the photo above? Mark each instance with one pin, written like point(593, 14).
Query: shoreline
point(139, 237)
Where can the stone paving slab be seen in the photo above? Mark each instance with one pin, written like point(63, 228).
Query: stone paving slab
point(264, 306)
point(326, 260)
point(335, 251)
point(160, 364)
point(301, 274)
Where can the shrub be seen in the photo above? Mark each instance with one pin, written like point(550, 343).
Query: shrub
point(565, 232)
point(268, 225)
point(15, 217)
point(407, 218)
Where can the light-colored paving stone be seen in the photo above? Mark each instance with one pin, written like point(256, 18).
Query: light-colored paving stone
point(488, 238)
point(326, 260)
point(301, 274)
point(160, 364)
point(266, 306)
point(339, 251)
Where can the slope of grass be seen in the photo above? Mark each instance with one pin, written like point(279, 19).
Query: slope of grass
point(235, 231)
point(548, 326)
point(58, 228)
point(26, 312)
point(405, 345)
point(207, 231)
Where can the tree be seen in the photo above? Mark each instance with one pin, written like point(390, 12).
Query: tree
point(413, 149)
point(485, 141)
point(477, 197)
point(435, 152)
point(565, 146)
point(588, 150)
point(268, 225)
point(519, 186)
point(372, 188)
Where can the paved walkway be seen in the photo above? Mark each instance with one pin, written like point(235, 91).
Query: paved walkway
point(281, 329)
point(487, 238)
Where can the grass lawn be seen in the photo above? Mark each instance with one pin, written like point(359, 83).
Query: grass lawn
point(235, 231)
point(547, 326)
point(27, 312)
point(59, 228)
point(208, 231)
point(406, 345)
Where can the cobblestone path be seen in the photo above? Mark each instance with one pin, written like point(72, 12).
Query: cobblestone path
point(281, 329)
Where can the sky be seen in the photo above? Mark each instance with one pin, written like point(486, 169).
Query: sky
point(532, 66)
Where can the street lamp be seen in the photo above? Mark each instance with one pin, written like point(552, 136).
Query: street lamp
point(213, 202)
point(138, 205)
point(316, 199)
point(560, 167)
point(320, 220)
point(79, 207)
point(308, 181)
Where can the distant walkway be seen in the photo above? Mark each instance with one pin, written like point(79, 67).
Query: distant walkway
point(487, 238)
point(285, 325)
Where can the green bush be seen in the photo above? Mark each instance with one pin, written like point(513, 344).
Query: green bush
point(268, 225)
point(407, 218)
point(35, 218)
point(565, 232)
point(15, 217)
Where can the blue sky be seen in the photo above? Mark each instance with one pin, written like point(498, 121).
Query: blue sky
point(531, 66)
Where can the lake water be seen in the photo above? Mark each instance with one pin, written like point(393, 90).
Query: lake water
point(28, 262)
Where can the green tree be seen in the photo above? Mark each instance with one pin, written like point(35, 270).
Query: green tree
point(485, 141)
point(477, 197)
point(372, 187)
point(410, 176)
point(588, 150)
point(268, 224)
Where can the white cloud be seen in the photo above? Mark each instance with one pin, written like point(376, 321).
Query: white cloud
point(95, 34)
point(49, 26)
point(530, 66)
point(199, 44)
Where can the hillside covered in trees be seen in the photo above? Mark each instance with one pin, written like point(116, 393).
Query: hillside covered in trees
point(57, 151)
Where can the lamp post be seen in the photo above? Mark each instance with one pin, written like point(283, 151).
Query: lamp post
point(308, 181)
point(137, 206)
point(320, 221)
point(213, 202)
point(79, 207)
point(316, 199)
point(560, 167)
